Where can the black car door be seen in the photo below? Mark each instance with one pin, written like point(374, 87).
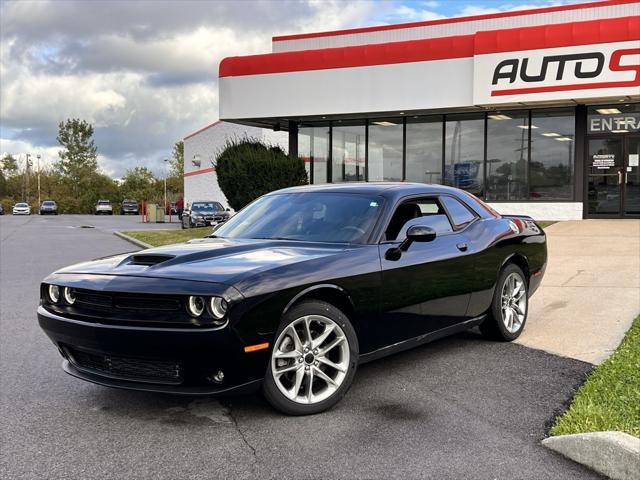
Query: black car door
point(429, 286)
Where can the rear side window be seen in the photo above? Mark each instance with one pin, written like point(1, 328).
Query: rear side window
point(460, 215)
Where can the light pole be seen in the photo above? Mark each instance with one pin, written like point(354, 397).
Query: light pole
point(26, 177)
point(166, 160)
point(38, 157)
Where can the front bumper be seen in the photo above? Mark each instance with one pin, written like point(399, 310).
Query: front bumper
point(21, 212)
point(198, 354)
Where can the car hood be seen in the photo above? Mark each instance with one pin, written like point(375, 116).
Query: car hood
point(215, 260)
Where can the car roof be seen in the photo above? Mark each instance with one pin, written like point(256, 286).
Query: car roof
point(372, 188)
point(392, 191)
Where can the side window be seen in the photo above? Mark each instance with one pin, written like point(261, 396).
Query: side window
point(459, 214)
point(423, 211)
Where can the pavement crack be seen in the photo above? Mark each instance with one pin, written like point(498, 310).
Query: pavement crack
point(236, 425)
point(577, 274)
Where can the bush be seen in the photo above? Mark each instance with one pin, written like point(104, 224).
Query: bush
point(247, 169)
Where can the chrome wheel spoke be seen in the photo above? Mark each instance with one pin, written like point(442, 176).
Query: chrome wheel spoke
point(324, 376)
point(296, 338)
point(319, 340)
point(329, 363)
point(279, 372)
point(307, 330)
point(297, 383)
point(310, 386)
point(514, 303)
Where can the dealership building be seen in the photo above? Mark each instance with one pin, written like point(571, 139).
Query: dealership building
point(535, 111)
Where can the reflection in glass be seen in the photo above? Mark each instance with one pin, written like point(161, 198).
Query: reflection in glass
point(385, 149)
point(464, 152)
point(632, 185)
point(348, 152)
point(313, 146)
point(424, 149)
point(604, 162)
point(552, 150)
point(507, 155)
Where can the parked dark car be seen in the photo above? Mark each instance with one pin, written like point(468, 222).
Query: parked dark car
point(295, 291)
point(48, 207)
point(129, 207)
point(1, 209)
point(203, 213)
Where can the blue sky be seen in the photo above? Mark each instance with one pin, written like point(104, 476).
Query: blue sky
point(144, 73)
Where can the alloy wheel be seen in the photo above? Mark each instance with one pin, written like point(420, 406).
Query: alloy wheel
point(310, 359)
point(514, 302)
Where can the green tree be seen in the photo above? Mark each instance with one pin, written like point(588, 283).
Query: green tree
point(177, 160)
point(248, 168)
point(78, 164)
point(9, 165)
point(139, 184)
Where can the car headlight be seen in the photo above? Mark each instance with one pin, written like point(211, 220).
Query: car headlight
point(53, 292)
point(195, 306)
point(218, 307)
point(69, 295)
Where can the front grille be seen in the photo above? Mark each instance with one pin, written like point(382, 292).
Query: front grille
point(126, 368)
point(93, 300)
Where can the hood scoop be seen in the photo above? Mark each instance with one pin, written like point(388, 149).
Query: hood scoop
point(148, 260)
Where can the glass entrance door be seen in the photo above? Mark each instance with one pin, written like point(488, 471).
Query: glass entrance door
point(613, 176)
point(605, 176)
point(631, 195)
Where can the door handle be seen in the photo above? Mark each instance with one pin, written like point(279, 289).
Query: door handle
point(462, 247)
point(620, 177)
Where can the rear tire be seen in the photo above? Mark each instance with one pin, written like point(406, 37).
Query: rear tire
point(510, 306)
point(314, 373)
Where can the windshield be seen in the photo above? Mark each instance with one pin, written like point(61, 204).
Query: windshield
point(104, 202)
point(48, 203)
point(21, 205)
point(206, 207)
point(315, 217)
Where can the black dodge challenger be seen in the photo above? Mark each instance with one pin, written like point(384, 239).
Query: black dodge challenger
point(295, 291)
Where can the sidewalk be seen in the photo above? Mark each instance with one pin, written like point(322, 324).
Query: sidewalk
point(591, 290)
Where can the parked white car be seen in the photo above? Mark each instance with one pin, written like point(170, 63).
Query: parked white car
point(103, 207)
point(21, 209)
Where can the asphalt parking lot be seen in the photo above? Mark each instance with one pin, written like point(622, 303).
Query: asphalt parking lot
point(457, 408)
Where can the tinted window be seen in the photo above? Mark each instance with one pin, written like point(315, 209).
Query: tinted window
point(21, 205)
point(460, 215)
point(426, 211)
point(464, 152)
point(318, 217)
point(552, 151)
point(507, 155)
point(207, 206)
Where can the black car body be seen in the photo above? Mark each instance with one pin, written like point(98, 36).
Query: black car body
point(129, 326)
point(203, 213)
point(48, 207)
point(1, 209)
point(129, 207)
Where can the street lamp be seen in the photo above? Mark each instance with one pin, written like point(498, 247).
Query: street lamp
point(166, 162)
point(38, 157)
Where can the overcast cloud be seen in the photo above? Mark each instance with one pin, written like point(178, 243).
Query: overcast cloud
point(145, 73)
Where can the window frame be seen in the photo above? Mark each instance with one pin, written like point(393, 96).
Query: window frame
point(436, 196)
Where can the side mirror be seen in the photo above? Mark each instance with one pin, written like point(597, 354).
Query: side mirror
point(415, 233)
point(228, 209)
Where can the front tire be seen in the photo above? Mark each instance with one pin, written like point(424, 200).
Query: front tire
point(313, 361)
point(509, 307)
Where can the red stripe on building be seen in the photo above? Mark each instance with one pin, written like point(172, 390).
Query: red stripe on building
point(558, 35)
point(344, 57)
point(525, 38)
point(203, 129)
point(444, 21)
point(200, 172)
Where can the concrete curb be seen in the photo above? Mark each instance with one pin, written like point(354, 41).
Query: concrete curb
point(614, 454)
point(136, 242)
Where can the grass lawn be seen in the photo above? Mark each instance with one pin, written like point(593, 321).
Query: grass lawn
point(167, 237)
point(610, 398)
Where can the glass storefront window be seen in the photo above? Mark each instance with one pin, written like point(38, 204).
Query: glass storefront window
point(616, 118)
point(313, 146)
point(464, 152)
point(552, 151)
point(385, 149)
point(424, 149)
point(507, 155)
point(347, 156)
